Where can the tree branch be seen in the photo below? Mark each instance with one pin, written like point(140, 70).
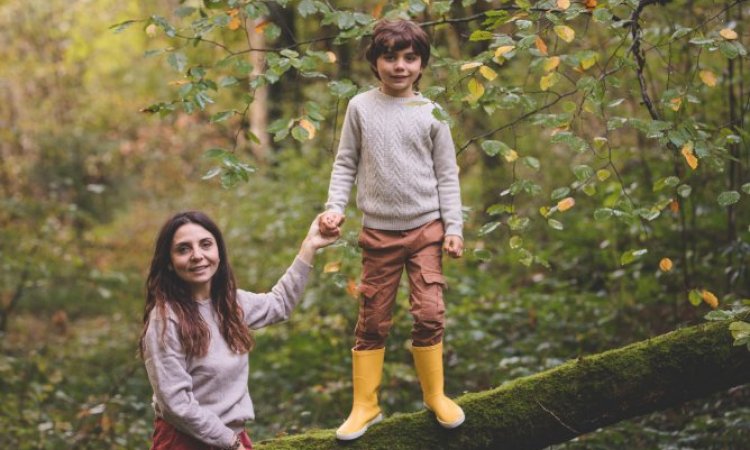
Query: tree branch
point(593, 391)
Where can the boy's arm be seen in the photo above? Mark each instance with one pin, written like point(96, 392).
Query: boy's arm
point(446, 171)
point(345, 166)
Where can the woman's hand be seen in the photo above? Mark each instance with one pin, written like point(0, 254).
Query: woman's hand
point(315, 240)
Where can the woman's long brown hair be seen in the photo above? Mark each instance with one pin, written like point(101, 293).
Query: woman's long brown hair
point(164, 288)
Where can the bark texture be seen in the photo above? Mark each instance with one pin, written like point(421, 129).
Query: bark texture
point(557, 405)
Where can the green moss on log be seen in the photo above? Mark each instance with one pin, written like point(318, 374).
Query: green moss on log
point(558, 404)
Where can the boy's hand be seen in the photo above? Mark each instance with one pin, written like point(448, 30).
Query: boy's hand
point(454, 246)
point(329, 223)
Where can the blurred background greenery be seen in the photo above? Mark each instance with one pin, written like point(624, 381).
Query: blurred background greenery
point(116, 114)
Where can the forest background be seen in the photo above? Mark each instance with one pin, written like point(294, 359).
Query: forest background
point(603, 148)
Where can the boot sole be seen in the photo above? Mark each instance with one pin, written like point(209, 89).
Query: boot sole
point(448, 425)
point(361, 431)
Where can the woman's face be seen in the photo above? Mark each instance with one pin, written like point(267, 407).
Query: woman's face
point(195, 258)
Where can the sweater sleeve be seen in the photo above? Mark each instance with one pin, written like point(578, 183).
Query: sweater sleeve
point(347, 161)
point(167, 371)
point(446, 171)
point(265, 309)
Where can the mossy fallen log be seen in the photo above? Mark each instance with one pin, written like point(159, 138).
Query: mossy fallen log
point(557, 405)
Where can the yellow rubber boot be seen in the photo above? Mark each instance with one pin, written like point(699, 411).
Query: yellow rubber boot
point(367, 371)
point(429, 364)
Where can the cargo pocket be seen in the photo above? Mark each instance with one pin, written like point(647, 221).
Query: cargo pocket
point(433, 278)
point(433, 308)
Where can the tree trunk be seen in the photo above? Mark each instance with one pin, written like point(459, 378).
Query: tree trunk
point(577, 397)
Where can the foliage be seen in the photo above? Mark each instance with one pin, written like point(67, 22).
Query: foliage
point(603, 148)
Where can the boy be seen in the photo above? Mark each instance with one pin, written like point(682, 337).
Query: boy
point(404, 162)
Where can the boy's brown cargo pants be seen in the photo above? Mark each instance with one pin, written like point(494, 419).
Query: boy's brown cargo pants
point(384, 255)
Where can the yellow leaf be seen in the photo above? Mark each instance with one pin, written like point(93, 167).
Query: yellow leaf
point(544, 211)
point(377, 11)
point(234, 23)
point(565, 204)
point(331, 57)
point(603, 174)
point(563, 4)
point(565, 33)
point(728, 34)
point(707, 77)
point(510, 155)
point(476, 90)
point(488, 73)
point(352, 289)
point(665, 264)
point(260, 26)
point(590, 4)
point(332, 267)
point(549, 80)
point(588, 61)
point(540, 45)
point(471, 65)
point(687, 152)
point(675, 103)
point(551, 63)
point(309, 127)
point(710, 299)
point(503, 49)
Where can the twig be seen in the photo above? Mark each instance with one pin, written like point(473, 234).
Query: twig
point(578, 433)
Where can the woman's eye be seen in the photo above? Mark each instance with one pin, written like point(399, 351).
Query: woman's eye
point(206, 245)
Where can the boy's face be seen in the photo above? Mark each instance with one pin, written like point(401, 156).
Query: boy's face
point(398, 71)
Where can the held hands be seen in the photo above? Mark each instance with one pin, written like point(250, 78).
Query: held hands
point(330, 223)
point(453, 245)
point(315, 239)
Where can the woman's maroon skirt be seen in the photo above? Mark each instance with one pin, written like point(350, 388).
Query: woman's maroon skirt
point(167, 437)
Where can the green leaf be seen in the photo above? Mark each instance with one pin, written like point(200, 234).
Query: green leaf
point(488, 228)
point(560, 193)
point(482, 254)
point(728, 49)
point(177, 60)
point(307, 8)
point(221, 116)
point(695, 297)
point(499, 208)
point(631, 255)
point(718, 315)
point(666, 182)
point(728, 198)
point(342, 88)
point(515, 242)
point(684, 190)
point(555, 224)
point(517, 223)
point(740, 330)
point(480, 35)
point(533, 163)
point(493, 148)
point(603, 213)
point(524, 257)
point(122, 26)
point(583, 172)
point(746, 188)
point(300, 134)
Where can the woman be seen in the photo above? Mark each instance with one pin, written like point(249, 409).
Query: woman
point(195, 337)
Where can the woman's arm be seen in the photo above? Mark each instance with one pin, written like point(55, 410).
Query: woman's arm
point(275, 306)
